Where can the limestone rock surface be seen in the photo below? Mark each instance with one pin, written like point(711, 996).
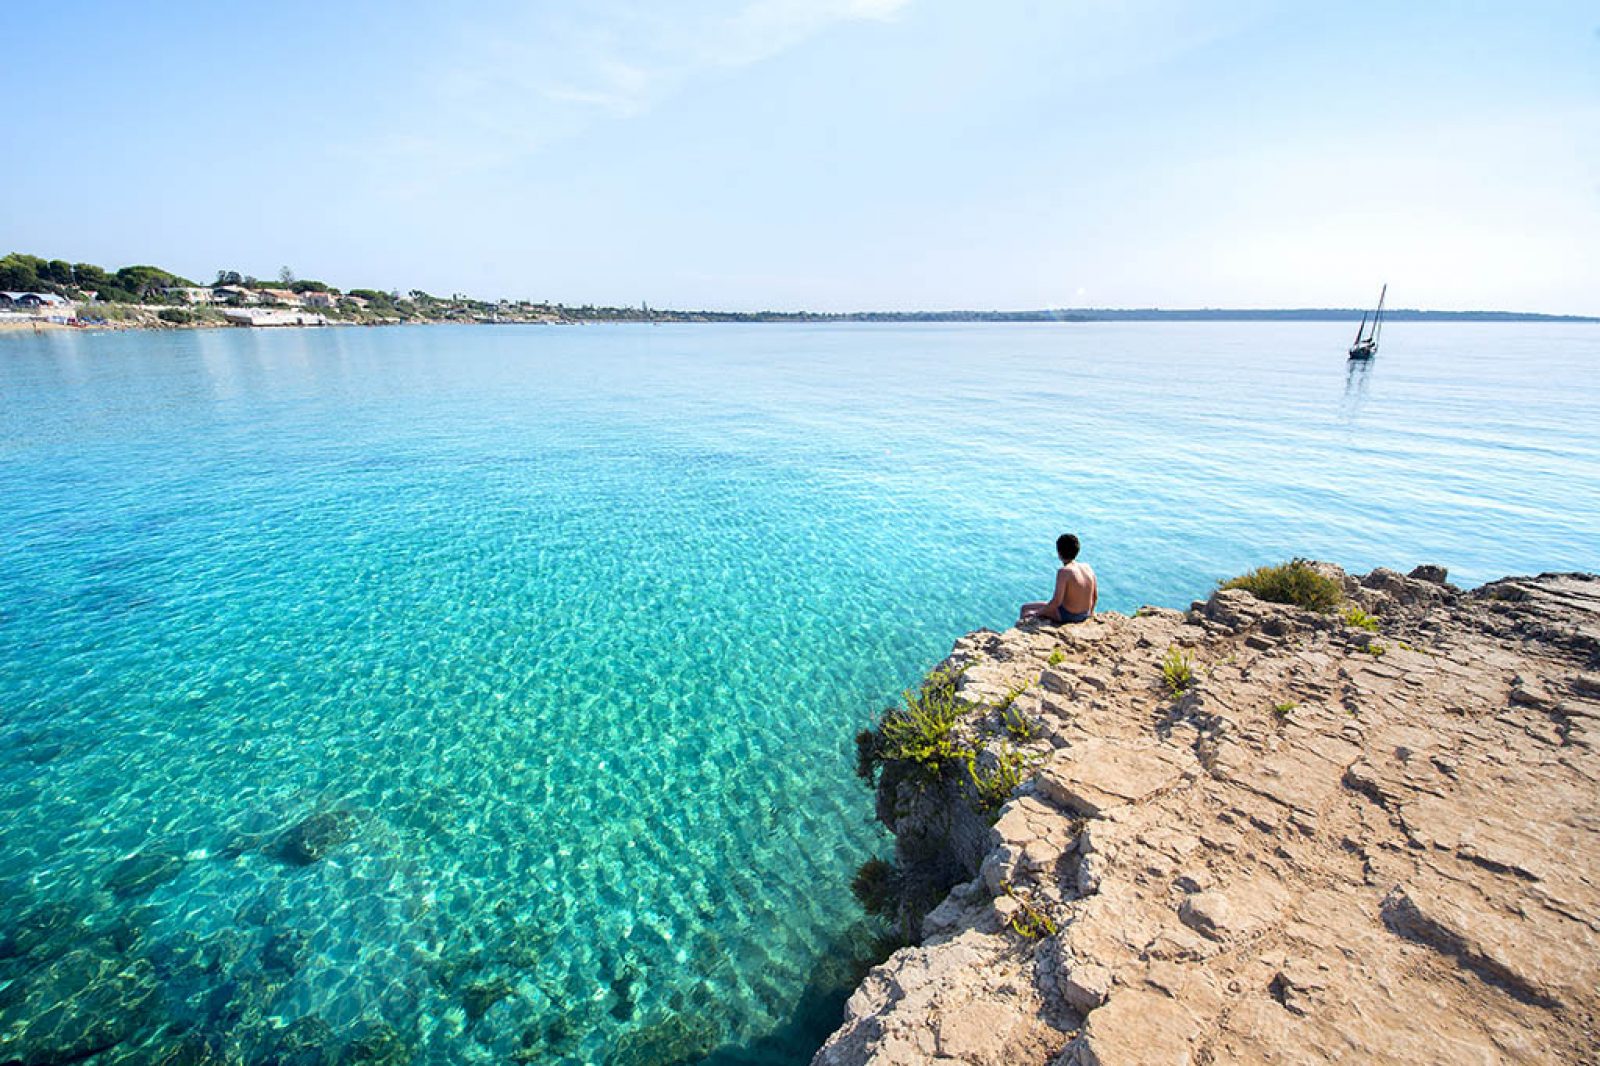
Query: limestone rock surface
point(1335, 845)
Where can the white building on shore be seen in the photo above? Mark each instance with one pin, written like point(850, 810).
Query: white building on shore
point(233, 294)
point(265, 316)
point(35, 301)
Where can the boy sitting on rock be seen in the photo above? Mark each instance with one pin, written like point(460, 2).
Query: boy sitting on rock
point(1076, 591)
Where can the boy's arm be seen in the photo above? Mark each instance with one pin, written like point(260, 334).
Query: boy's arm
point(1060, 597)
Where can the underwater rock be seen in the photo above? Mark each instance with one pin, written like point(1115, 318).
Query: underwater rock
point(540, 1044)
point(191, 968)
point(81, 1004)
point(124, 933)
point(481, 995)
point(40, 754)
point(308, 1041)
point(236, 844)
point(194, 1049)
point(263, 910)
point(139, 874)
point(43, 932)
point(622, 987)
point(376, 1044)
point(673, 1040)
point(284, 953)
point(45, 745)
point(309, 840)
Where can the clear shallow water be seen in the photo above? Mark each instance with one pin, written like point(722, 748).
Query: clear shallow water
point(570, 630)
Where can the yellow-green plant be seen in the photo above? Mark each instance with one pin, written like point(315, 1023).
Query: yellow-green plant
point(996, 786)
point(1029, 921)
point(1057, 657)
point(1355, 616)
point(920, 733)
point(1010, 697)
point(1297, 581)
point(1376, 649)
point(1283, 709)
point(1017, 724)
point(1177, 669)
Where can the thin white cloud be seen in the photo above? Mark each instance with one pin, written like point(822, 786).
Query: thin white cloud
point(765, 28)
point(522, 80)
point(620, 88)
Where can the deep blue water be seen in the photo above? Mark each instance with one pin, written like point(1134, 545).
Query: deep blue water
point(570, 629)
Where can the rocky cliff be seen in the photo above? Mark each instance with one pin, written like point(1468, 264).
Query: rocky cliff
point(1367, 837)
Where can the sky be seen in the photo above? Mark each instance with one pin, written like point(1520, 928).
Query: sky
point(822, 154)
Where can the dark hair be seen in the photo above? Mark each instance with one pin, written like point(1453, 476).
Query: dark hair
point(1067, 547)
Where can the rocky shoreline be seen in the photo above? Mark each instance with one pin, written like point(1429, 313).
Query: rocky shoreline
point(1369, 835)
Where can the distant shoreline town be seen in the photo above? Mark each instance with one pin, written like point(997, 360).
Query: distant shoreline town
point(39, 293)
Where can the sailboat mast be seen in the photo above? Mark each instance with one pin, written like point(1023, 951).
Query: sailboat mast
point(1361, 328)
point(1377, 325)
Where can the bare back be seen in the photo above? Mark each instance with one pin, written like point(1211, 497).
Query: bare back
point(1076, 584)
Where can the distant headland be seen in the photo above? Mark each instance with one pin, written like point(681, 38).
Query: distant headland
point(38, 293)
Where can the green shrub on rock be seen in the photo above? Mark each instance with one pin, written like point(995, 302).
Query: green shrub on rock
point(1296, 582)
point(873, 886)
point(920, 734)
point(996, 786)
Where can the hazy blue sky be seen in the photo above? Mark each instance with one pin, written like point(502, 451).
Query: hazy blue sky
point(834, 154)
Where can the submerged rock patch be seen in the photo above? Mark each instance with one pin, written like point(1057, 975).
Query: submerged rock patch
point(141, 873)
point(310, 840)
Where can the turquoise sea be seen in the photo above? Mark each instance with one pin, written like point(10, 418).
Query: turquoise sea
point(486, 694)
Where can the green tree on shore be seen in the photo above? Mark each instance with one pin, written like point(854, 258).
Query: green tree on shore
point(20, 273)
point(145, 282)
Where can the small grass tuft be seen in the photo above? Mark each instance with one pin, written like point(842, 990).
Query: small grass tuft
point(1010, 697)
point(1029, 922)
point(1376, 649)
point(1057, 657)
point(1297, 582)
point(1018, 725)
point(1177, 669)
point(1283, 710)
point(995, 787)
point(1355, 616)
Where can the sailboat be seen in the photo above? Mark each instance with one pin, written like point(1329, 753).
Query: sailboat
point(1366, 345)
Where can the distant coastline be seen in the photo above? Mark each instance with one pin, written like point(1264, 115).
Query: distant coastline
point(265, 313)
point(37, 293)
point(1107, 314)
point(145, 317)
